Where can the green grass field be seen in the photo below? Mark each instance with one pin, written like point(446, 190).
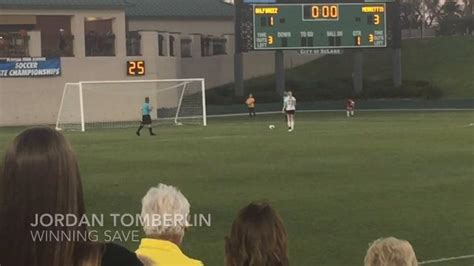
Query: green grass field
point(339, 183)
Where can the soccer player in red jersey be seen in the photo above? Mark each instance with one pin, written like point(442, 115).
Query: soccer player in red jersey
point(350, 105)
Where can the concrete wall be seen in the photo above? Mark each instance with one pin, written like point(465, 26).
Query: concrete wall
point(215, 27)
point(219, 70)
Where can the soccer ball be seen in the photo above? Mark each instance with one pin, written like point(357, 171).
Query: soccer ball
point(271, 127)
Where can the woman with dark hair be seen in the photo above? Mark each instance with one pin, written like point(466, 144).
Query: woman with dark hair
point(258, 238)
point(40, 175)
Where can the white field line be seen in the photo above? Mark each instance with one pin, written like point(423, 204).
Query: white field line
point(195, 138)
point(361, 110)
point(446, 259)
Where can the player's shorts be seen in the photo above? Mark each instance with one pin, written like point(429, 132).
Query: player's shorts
point(146, 120)
point(290, 112)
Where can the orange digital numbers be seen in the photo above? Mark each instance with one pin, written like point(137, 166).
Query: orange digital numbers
point(376, 19)
point(357, 41)
point(322, 12)
point(270, 40)
point(136, 68)
point(371, 38)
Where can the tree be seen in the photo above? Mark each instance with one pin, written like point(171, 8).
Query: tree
point(433, 15)
point(451, 21)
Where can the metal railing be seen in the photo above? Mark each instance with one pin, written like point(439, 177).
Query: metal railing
point(14, 44)
point(100, 45)
point(60, 45)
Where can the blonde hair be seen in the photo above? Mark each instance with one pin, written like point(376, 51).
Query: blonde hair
point(164, 203)
point(390, 251)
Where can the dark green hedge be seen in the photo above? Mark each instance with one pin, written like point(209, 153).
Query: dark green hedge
point(336, 89)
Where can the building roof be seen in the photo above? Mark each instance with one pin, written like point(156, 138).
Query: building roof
point(55, 4)
point(135, 8)
point(179, 8)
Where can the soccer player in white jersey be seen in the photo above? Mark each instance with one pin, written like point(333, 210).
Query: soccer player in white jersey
point(285, 98)
point(289, 107)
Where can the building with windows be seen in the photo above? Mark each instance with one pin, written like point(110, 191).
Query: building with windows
point(94, 39)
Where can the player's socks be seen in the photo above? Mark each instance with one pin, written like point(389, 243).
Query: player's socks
point(138, 131)
point(352, 113)
point(151, 132)
point(348, 114)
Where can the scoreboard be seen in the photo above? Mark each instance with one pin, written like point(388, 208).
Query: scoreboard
point(319, 25)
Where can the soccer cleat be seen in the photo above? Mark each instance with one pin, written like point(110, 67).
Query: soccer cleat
point(138, 133)
point(152, 134)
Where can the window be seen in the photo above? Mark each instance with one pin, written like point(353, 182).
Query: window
point(100, 39)
point(218, 46)
point(161, 45)
point(171, 45)
point(205, 46)
point(133, 43)
point(56, 37)
point(14, 44)
point(186, 47)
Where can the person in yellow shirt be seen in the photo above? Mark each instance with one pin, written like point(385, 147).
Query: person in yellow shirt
point(250, 102)
point(165, 213)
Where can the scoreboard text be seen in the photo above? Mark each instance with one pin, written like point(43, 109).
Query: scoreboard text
point(322, 25)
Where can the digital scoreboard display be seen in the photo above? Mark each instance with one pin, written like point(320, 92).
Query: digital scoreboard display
point(136, 68)
point(321, 25)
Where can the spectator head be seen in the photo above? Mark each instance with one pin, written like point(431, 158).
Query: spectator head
point(40, 175)
point(165, 213)
point(250, 95)
point(147, 99)
point(390, 252)
point(257, 238)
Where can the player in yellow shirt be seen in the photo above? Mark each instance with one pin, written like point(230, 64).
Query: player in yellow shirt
point(250, 102)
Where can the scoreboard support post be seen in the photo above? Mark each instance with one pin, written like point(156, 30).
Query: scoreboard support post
point(396, 44)
point(397, 67)
point(238, 56)
point(238, 74)
point(279, 72)
point(358, 75)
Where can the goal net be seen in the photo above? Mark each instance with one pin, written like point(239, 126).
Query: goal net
point(117, 104)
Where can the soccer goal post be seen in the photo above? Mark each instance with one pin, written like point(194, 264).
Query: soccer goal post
point(117, 104)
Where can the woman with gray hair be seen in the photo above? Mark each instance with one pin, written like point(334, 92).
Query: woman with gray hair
point(165, 213)
point(390, 251)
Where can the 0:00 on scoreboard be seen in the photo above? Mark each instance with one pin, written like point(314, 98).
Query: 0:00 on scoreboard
point(328, 25)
